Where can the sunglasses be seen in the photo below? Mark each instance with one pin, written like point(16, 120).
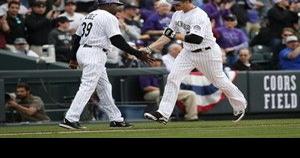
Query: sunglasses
point(285, 35)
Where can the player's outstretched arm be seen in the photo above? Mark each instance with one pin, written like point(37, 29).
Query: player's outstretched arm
point(167, 36)
point(119, 42)
point(155, 46)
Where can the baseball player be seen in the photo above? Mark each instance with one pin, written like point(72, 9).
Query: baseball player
point(93, 39)
point(191, 25)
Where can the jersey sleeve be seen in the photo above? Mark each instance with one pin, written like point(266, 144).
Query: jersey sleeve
point(111, 26)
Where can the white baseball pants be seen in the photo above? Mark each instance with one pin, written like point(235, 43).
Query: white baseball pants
point(94, 77)
point(209, 62)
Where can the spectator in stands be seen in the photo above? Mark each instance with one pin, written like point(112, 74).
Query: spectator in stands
point(244, 63)
point(21, 46)
point(38, 26)
point(4, 27)
point(70, 8)
point(289, 58)
point(48, 3)
point(253, 18)
point(61, 39)
point(231, 39)
point(58, 5)
point(173, 52)
point(279, 17)
point(268, 4)
point(295, 7)
point(155, 25)
point(130, 15)
point(131, 33)
point(226, 68)
point(16, 24)
point(22, 9)
point(150, 86)
point(147, 11)
point(240, 10)
point(286, 32)
point(216, 9)
point(29, 106)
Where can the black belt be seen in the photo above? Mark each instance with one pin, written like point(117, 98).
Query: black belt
point(89, 46)
point(201, 50)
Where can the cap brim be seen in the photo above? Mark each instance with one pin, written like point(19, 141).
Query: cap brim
point(21, 43)
point(291, 41)
point(119, 3)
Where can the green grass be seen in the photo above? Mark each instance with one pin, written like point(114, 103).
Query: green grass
point(276, 128)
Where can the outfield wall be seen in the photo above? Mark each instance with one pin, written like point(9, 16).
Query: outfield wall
point(268, 92)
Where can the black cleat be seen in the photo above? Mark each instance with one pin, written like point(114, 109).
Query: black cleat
point(120, 124)
point(71, 125)
point(237, 116)
point(156, 116)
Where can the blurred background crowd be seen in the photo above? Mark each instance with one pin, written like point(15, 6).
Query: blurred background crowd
point(253, 34)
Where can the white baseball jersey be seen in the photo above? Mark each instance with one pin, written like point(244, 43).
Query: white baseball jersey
point(208, 61)
point(195, 22)
point(96, 29)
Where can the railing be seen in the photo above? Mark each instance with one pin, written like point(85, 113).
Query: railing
point(63, 74)
point(267, 92)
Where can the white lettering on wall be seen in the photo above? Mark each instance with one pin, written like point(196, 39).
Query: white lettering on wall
point(266, 81)
point(280, 92)
point(279, 83)
point(287, 83)
point(273, 83)
point(267, 101)
point(294, 101)
point(279, 101)
point(293, 83)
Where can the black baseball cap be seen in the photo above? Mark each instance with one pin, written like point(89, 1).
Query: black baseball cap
point(130, 6)
point(62, 19)
point(230, 17)
point(67, 2)
point(39, 4)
